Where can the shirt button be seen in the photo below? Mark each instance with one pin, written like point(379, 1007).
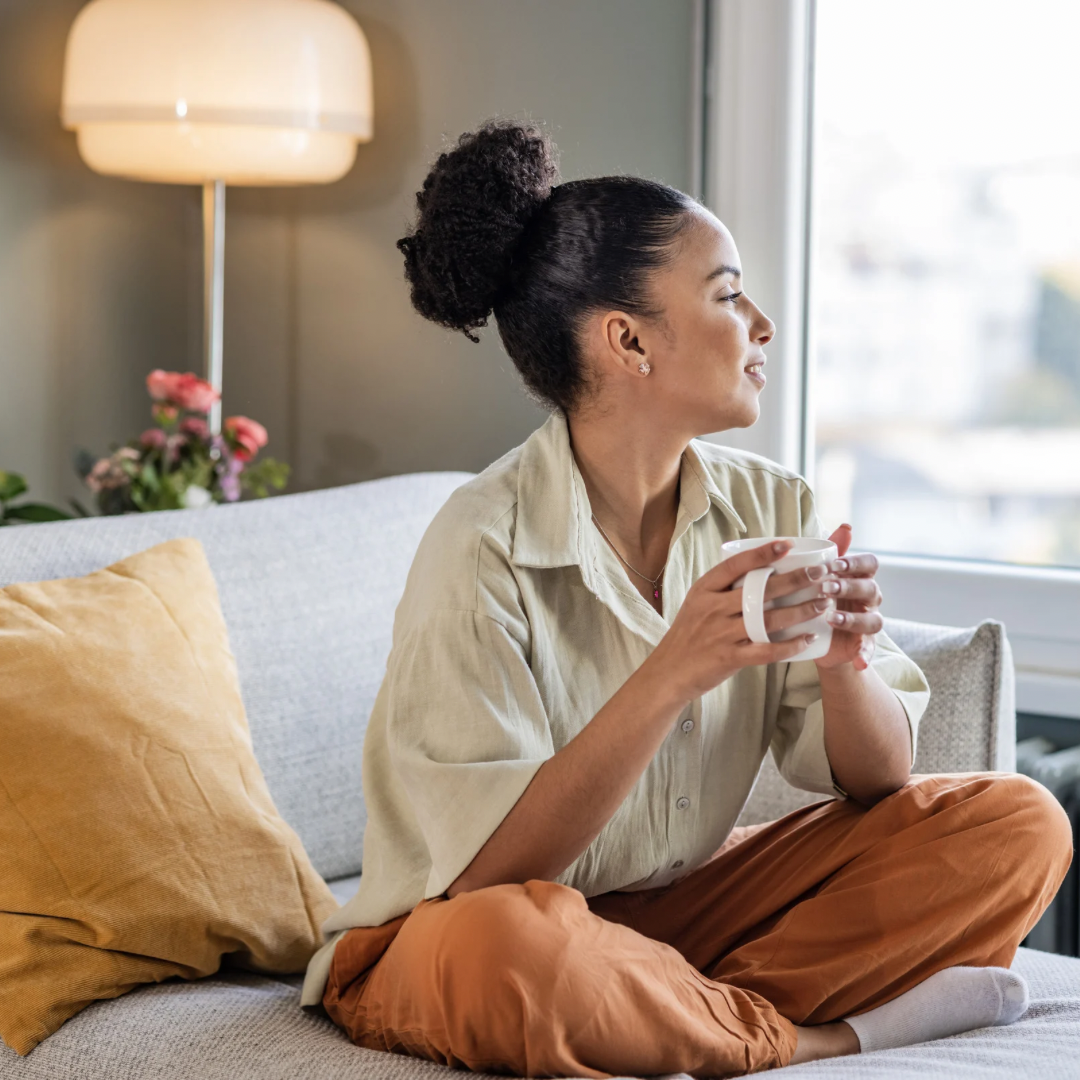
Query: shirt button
point(682, 802)
point(688, 725)
point(676, 864)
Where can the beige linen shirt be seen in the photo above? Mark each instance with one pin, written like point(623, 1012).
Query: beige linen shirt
point(517, 625)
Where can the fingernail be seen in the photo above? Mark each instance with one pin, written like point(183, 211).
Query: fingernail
point(780, 547)
point(811, 637)
point(816, 573)
point(838, 565)
point(837, 618)
point(845, 525)
point(831, 587)
point(821, 605)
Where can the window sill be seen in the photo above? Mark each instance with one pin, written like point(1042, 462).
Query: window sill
point(1040, 608)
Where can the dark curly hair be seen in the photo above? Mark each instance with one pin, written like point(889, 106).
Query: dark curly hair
point(494, 236)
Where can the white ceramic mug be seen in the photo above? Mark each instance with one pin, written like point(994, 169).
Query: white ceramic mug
point(805, 551)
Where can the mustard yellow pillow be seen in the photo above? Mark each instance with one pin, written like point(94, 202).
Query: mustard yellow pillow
point(138, 839)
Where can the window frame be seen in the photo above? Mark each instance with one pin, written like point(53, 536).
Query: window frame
point(752, 164)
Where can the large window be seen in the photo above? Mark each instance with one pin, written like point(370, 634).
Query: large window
point(945, 283)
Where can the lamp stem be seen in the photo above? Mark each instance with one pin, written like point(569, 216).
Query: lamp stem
point(214, 289)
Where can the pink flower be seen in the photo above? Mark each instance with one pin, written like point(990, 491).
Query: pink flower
point(107, 473)
point(173, 445)
point(159, 383)
point(195, 394)
point(153, 438)
point(164, 414)
point(249, 435)
point(183, 389)
point(196, 426)
point(95, 479)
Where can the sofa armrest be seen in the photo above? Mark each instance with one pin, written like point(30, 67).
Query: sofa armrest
point(970, 722)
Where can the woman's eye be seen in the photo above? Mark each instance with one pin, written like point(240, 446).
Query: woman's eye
point(731, 296)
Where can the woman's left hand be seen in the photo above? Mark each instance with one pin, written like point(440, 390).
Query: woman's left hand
point(855, 619)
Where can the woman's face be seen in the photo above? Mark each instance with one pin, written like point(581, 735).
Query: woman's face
point(706, 374)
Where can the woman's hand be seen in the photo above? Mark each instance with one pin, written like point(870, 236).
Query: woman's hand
point(707, 642)
point(856, 618)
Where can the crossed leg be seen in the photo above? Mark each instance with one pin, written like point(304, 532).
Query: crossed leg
point(827, 912)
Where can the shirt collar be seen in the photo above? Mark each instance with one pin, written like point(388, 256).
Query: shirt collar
point(695, 464)
point(553, 511)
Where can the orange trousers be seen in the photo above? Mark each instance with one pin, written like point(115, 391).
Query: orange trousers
point(822, 914)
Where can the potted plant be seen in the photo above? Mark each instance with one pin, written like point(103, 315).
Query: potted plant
point(177, 463)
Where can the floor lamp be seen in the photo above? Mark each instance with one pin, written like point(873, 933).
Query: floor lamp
point(216, 92)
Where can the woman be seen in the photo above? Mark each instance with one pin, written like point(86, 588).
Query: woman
point(572, 716)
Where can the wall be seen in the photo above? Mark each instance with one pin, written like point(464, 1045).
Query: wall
point(100, 278)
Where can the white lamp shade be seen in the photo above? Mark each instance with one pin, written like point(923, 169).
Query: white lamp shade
point(261, 92)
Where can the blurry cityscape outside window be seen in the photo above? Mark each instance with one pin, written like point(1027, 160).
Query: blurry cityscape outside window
point(945, 280)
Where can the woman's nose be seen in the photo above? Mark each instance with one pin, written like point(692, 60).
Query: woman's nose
point(763, 328)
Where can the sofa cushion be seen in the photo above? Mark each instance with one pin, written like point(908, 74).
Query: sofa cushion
point(308, 587)
point(344, 889)
point(247, 1027)
point(138, 840)
point(969, 724)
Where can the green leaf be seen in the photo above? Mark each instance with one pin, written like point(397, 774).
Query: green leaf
point(170, 496)
point(148, 477)
point(12, 485)
point(138, 498)
point(37, 512)
point(268, 473)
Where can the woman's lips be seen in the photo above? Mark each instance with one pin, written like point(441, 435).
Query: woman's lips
point(755, 373)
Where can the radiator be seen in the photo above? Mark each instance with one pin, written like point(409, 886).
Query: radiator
point(1058, 930)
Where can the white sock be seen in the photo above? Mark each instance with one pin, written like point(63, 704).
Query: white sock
point(952, 1000)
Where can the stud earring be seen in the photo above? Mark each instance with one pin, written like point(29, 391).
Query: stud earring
point(644, 367)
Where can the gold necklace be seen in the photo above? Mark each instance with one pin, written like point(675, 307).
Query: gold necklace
point(654, 582)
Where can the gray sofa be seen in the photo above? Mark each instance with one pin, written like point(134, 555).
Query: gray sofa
point(308, 585)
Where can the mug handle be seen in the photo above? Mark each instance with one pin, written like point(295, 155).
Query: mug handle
point(753, 604)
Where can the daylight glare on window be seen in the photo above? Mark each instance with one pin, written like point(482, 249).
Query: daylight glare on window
point(945, 277)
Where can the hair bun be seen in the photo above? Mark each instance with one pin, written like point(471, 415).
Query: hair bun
point(474, 207)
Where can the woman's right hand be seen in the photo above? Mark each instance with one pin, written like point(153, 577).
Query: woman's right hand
point(707, 643)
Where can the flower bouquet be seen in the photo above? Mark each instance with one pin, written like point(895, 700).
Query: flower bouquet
point(178, 463)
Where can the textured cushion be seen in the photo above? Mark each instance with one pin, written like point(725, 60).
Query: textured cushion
point(308, 587)
point(969, 725)
point(251, 1028)
point(137, 837)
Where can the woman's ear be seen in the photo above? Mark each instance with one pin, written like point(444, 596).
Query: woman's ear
point(624, 342)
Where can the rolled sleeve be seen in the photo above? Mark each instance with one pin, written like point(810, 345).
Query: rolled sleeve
point(467, 731)
point(798, 743)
